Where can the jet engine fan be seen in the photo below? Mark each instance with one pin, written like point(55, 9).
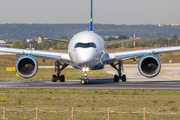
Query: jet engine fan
point(149, 65)
point(26, 66)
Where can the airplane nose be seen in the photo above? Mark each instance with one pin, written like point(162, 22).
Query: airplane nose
point(85, 57)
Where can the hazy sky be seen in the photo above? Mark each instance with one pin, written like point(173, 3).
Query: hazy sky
point(78, 11)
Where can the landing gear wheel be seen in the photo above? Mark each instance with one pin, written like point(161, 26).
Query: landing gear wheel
point(116, 78)
point(87, 81)
point(123, 78)
point(54, 78)
point(83, 81)
point(62, 79)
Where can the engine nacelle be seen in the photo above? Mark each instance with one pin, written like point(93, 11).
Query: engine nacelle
point(149, 65)
point(26, 66)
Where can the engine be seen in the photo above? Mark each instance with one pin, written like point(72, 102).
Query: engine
point(149, 65)
point(26, 66)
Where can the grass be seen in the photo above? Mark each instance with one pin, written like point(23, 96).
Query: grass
point(3, 99)
point(90, 100)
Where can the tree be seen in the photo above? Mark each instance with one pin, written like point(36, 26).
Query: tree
point(175, 37)
point(38, 47)
point(16, 44)
point(64, 38)
point(60, 45)
point(45, 45)
point(24, 40)
point(122, 37)
point(110, 38)
point(162, 41)
point(54, 43)
point(24, 46)
point(174, 41)
point(9, 42)
point(8, 46)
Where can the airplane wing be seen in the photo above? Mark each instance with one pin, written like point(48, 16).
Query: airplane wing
point(116, 41)
point(56, 40)
point(63, 57)
point(109, 58)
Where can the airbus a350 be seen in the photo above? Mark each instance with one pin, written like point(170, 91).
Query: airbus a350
point(86, 52)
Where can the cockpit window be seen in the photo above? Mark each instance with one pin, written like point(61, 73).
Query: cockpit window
point(85, 45)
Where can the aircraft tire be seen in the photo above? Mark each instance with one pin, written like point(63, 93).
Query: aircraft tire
point(54, 78)
point(123, 78)
point(87, 81)
point(116, 78)
point(62, 78)
point(83, 81)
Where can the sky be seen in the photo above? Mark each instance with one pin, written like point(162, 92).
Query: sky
point(118, 12)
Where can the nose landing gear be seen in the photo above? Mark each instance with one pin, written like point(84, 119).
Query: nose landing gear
point(85, 80)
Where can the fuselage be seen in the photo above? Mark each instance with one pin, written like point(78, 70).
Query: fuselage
point(85, 51)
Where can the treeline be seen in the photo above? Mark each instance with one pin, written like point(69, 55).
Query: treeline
point(44, 45)
point(55, 45)
point(146, 42)
point(31, 31)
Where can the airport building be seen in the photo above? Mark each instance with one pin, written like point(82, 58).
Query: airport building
point(2, 42)
point(28, 40)
point(39, 40)
point(172, 24)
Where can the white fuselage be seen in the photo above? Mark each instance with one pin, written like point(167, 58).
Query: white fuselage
point(85, 50)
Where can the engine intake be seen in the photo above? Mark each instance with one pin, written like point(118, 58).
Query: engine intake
point(26, 66)
point(149, 65)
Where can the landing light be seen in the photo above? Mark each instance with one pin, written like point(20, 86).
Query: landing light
point(85, 69)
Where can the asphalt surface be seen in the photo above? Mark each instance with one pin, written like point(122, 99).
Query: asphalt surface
point(95, 84)
point(168, 79)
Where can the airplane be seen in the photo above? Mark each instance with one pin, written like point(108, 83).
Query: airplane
point(86, 52)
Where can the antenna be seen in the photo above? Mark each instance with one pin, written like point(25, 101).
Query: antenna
point(91, 19)
point(134, 44)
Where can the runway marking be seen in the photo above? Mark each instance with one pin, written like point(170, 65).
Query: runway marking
point(162, 73)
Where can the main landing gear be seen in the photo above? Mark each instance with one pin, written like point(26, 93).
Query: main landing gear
point(119, 70)
point(85, 80)
point(58, 69)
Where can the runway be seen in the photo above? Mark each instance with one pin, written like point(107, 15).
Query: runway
point(168, 79)
point(95, 84)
